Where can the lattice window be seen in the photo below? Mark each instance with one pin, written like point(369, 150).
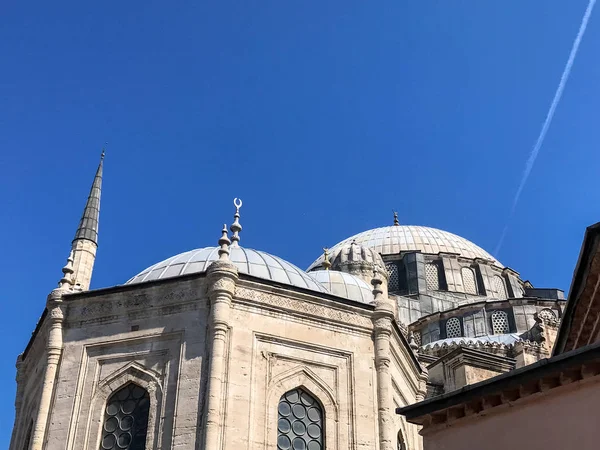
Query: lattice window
point(417, 336)
point(126, 419)
point(453, 328)
point(401, 443)
point(547, 314)
point(499, 287)
point(432, 276)
point(394, 280)
point(300, 424)
point(468, 277)
point(500, 322)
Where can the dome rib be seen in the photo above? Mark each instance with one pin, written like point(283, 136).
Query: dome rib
point(248, 261)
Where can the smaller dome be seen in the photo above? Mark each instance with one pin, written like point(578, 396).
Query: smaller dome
point(354, 258)
point(248, 261)
point(344, 285)
point(354, 253)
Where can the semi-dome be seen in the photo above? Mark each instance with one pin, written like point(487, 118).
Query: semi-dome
point(395, 239)
point(248, 261)
point(344, 285)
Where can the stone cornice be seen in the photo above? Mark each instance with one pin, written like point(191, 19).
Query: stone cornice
point(506, 389)
point(438, 350)
point(476, 358)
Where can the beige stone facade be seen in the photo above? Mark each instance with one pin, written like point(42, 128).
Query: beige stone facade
point(277, 339)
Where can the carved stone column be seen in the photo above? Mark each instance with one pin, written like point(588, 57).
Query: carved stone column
point(222, 277)
point(382, 322)
point(18, 400)
point(54, 347)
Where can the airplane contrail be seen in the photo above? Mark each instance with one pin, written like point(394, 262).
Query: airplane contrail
point(540, 140)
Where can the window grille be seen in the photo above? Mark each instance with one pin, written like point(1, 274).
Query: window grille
point(300, 424)
point(547, 314)
point(453, 328)
point(393, 279)
point(126, 419)
point(417, 336)
point(432, 276)
point(469, 280)
point(500, 322)
point(499, 287)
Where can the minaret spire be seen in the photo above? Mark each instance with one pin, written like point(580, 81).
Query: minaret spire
point(85, 242)
point(88, 225)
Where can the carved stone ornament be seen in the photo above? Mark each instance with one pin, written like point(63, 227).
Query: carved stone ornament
point(306, 307)
point(56, 313)
point(224, 284)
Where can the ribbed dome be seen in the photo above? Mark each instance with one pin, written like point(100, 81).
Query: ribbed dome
point(395, 239)
point(248, 261)
point(353, 253)
point(344, 285)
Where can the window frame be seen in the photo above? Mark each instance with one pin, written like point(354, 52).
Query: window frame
point(460, 327)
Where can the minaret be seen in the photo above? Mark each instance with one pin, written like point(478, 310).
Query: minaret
point(85, 243)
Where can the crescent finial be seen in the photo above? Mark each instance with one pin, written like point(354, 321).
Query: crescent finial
point(237, 203)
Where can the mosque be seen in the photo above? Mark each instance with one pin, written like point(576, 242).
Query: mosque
point(228, 347)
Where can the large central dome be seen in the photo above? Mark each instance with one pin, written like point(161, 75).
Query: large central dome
point(395, 239)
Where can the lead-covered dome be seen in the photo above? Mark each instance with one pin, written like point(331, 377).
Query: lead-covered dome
point(344, 285)
point(248, 261)
point(395, 239)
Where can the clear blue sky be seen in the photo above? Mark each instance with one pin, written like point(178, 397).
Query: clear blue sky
point(321, 116)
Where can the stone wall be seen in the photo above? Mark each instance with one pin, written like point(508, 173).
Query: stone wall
point(155, 335)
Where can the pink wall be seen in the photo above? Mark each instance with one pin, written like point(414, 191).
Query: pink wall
point(564, 418)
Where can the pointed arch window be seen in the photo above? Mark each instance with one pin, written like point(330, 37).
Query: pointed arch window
point(300, 424)
point(126, 419)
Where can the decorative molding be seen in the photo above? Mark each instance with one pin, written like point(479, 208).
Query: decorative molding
point(329, 379)
point(305, 308)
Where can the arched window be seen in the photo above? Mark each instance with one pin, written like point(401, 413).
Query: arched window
point(499, 287)
point(453, 328)
point(469, 280)
point(393, 280)
point(126, 419)
point(547, 314)
point(500, 322)
point(432, 276)
point(300, 423)
point(401, 443)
